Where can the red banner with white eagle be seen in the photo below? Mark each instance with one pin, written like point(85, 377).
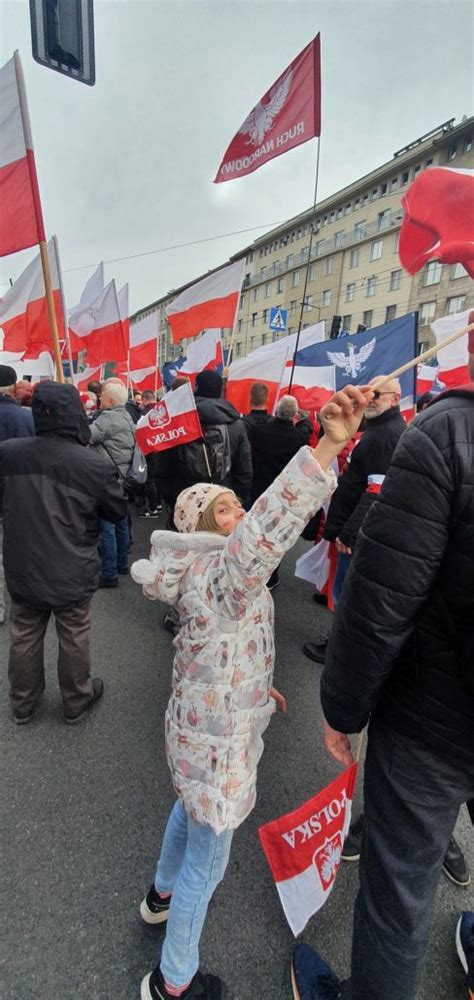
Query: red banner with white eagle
point(174, 420)
point(286, 116)
point(304, 848)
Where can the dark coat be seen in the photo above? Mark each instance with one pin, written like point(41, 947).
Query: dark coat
point(15, 421)
point(174, 471)
point(54, 492)
point(402, 643)
point(256, 418)
point(372, 456)
point(274, 444)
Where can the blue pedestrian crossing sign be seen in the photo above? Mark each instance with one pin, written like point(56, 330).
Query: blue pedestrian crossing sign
point(278, 319)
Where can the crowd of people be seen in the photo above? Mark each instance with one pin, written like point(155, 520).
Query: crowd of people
point(397, 505)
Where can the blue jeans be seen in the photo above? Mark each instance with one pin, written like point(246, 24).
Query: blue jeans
point(113, 548)
point(192, 863)
point(343, 564)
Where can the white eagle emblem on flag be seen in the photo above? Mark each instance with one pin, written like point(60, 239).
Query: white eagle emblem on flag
point(327, 859)
point(159, 416)
point(260, 120)
point(353, 362)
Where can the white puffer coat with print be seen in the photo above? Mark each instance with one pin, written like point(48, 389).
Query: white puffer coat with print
point(223, 667)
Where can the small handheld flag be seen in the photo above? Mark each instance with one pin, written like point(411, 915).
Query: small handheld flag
point(174, 420)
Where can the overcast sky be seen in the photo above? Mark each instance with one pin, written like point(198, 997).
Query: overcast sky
point(127, 166)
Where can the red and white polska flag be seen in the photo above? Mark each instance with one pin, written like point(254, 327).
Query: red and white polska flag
point(174, 420)
point(304, 848)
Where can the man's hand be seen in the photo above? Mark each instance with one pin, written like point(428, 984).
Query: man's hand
point(343, 413)
point(343, 550)
point(338, 745)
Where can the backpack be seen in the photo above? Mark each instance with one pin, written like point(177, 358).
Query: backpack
point(217, 443)
point(137, 474)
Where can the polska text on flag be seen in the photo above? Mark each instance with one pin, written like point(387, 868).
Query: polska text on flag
point(304, 848)
point(286, 116)
point(439, 220)
point(23, 310)
point(174, 420)
point(21, 222)
point(209, 303)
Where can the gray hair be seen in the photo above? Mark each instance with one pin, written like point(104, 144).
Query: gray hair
point(117, 392)
point(286, 408)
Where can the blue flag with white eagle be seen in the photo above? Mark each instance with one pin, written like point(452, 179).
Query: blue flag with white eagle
point(359, 357)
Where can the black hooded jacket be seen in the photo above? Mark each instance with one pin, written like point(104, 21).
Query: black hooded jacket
point(402, 643)
point(175, 469)
point(54, 491)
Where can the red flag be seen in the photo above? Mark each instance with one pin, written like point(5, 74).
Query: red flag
point(453, 359)
point(203, 354)
point(146, 378)
point(211, 302)
point(24, 312)
point(143, 342)
point(81, 379)
point(304, 848)
point(439, 220)
point(286, 116)
point(100, 328)
point(174, 420)
point(21, 222)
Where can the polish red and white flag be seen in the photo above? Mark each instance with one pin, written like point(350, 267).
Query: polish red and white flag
point(212, 302)
point(426, 378)
point(203, 354)
point(453, 359)
point(286, 116)
point(81, 379)
point(21, 222)
point(174, 420)
point(92, 289)
point(23, 310)
point(143, 342)
point(145, 378)
point(304, 848)
point(271, 365)
point(100, 329)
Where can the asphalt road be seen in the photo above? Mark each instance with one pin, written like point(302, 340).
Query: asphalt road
point(84, 808)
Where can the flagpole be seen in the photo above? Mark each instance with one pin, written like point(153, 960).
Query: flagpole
point(312, 234)
point(39, 216)
point(157, 358)
point(66, 324)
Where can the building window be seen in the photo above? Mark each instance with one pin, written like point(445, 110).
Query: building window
point(280, 285)
point(452, 151)
point(390, 313)
point(346, 323)
point(354, 257)
point(252, 343)
point(405, 177)
point(239, 326)
point(255, 294)
point(393, 183)
point(319, 248)
point(456, 304)
point(383, 219)
point(350, 292)
point(264, 315)
point(268, 289)
point(367, 317)
point(467, 144)
point(329, 265)
point(290, 259)
point(312, 272)
point(242, 302)
point(326, 297)
point(339, 239)
point(371, 285)
point(305, 254)
point(264, 339)
point(308, 302)
point(360, 230)
point(254, 319)
point(458, 271)
point(292, 305)
point(238, 349)
point(376, 248)
point(432, 274)
point(427, 311)
point(396, 241)
point(295, 279)
point(263, 272)
point(249, 258)
point(395, 280)
point(276, 266)
point(347, 209)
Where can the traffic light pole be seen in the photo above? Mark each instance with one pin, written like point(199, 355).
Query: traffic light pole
point(303, 301)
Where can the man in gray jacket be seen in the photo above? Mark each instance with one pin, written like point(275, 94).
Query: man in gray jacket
point(113, 434)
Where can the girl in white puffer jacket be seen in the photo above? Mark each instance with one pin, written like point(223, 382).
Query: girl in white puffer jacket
point(214, 571)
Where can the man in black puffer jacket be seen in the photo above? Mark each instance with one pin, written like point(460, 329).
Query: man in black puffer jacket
point(401, 652)
point(54, 490)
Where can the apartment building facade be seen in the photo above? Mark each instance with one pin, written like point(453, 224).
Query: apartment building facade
point(350, 266)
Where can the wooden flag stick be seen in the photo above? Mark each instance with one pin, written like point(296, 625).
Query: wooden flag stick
point(63, 300)
point(207, 460)
point(425, 355)
point(53, 326)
